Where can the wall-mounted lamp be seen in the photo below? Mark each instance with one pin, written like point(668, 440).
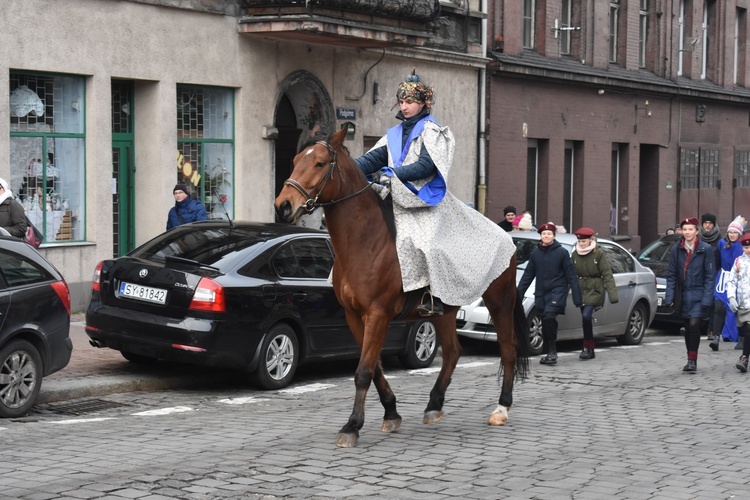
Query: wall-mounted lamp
point(375, 93)
point(668, 185)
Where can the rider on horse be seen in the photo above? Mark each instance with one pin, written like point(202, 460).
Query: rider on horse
point(441, 242)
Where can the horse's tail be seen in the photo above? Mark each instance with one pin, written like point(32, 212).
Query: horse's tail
point(523, 340)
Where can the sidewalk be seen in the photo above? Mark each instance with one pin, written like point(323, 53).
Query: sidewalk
point(95, 372)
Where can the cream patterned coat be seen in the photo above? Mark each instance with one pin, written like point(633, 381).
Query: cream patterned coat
point(450, 247)
point(738, 286)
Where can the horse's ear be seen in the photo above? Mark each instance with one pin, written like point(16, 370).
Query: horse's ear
point(337, 139)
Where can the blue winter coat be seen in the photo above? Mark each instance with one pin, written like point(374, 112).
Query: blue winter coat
point(189, 210)
point(555, 274)
point(697, 280)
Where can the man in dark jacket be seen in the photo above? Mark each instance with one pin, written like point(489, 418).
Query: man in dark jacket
point(185, 209)
point(509, 213)
point(690, 285)
point(553, 269)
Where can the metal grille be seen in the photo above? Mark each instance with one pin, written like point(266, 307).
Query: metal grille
point(121, 122)
point(742, 168)
point(43, 87)
point(78, 407)
point(709, 168)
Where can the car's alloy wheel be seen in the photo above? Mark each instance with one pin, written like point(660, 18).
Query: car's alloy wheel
point(280, 357)
point(535, 333)
point(421, 346)
point(636, 328)
point(20, 378)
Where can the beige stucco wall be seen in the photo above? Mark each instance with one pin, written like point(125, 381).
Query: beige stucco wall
point(160, 47)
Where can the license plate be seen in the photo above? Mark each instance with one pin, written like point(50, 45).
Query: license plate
point(145, 293)
point(461, 315)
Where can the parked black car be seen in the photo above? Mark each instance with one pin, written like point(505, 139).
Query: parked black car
point(34, 324)
point(655, 256)
point(241, 295)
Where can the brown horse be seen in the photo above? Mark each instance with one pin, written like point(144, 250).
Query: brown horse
point(367, 282)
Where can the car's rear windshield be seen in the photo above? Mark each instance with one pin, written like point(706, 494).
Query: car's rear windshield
point(657, 251)
point(205, 245)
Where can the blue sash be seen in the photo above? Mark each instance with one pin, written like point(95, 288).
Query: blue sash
point(434, 191)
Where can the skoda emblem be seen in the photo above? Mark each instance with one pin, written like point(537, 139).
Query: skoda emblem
point(143, 273)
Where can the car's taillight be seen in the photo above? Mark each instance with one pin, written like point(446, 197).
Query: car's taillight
point(61, 288)
point(208, 296)
point(97, 279)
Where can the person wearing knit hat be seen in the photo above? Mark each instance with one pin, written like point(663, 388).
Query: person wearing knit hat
point(729, 248)
point(710, 233)
point(516, 221)
point(738, 293)
point(509, 213)
point(550, 264)
point(594, 278)
point(185, 209)
point(690, 285)
point(525, 223)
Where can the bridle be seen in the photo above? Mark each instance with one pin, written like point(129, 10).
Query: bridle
point(311, 197)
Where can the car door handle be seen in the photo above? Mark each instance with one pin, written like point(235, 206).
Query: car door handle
point(300, 296)
point(632, 284)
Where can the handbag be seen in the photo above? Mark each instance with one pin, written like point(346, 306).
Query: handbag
point(33, 236)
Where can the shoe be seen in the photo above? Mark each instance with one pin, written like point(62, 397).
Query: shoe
point(587, 353)
point(549, 360)
point(691, 366)
point(740, 344)
point(714, 344)
point(742, 364)
point(430, 306)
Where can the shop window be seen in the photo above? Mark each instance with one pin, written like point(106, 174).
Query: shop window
point(47, 145)
point(205, 146)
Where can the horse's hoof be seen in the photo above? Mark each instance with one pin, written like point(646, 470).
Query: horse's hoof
point(347, 440)
point(499, 416)
point(431, 417)
point(391, 425)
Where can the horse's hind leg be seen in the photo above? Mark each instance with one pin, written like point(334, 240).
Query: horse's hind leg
point(500, 300)
point(446, 329)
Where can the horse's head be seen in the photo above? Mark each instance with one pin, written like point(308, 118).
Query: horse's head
point(312, 180)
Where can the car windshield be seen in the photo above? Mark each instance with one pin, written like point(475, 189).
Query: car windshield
point(657, 251)
point(208, 246)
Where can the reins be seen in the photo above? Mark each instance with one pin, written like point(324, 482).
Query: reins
point(311, 202)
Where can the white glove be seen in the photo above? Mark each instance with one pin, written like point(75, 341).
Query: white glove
point(733, 304)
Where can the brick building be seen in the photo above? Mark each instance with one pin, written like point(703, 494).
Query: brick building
point(622, 115)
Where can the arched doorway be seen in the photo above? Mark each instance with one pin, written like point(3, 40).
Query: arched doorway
point(304, 109)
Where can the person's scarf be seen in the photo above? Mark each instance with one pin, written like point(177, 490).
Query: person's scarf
point(585, 251)
point(711, 236)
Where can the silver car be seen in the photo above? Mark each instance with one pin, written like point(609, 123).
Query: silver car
point(626, 320)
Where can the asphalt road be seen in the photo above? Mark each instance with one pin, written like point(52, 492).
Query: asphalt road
point(628, 424)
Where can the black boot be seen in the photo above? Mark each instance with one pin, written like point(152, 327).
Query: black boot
point(551, 357)
point(587, 353)
point(742, 364)
point(740, 344)
point(691, 366)
point(430, 306)
point(714, 344)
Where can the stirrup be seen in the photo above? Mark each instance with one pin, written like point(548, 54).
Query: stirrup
point(430, 307)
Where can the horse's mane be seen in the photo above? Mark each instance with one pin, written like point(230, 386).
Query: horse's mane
point(386, 206)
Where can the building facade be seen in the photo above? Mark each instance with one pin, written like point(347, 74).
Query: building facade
point(622, 115)
point(112, 102)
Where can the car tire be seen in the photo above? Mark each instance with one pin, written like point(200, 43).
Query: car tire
point(138, 359)
point(279, 358)
point(536, 340)
point(421, 346)
point(636, 327)
point(21, 376)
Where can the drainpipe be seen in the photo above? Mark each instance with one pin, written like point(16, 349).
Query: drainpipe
point(481, 184)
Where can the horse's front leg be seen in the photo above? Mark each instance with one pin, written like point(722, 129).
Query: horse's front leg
point(371, 340)
point(451, 348)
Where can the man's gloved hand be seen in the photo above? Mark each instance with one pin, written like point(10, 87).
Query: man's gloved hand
point(381, 177)
point(733, 306)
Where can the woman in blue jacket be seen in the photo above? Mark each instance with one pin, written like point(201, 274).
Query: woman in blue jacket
point(185, 209)
point(553, 269)
point(691, 268)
